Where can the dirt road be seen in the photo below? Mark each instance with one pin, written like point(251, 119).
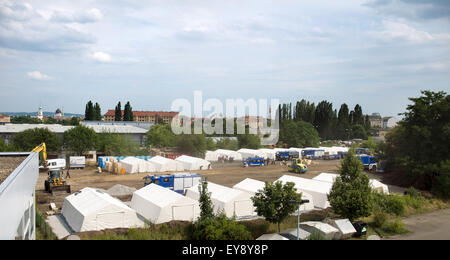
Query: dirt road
point(431, 226)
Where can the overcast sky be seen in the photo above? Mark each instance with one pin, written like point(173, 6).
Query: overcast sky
point(373, 52)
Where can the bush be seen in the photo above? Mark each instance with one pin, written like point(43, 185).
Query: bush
point(391, 204)
point(414, 193)
point(395, 227)
point(220, 228)
point(379, 218)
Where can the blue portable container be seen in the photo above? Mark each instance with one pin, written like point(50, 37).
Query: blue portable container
point(252, 162)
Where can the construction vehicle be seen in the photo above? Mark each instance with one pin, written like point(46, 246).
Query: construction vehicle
point(252, 162)
point(297, 166)
point(54, 180)
point(369, 162)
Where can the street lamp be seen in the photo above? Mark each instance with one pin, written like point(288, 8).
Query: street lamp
point(298, 214)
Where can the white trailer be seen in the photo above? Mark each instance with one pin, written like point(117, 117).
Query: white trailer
point(77, 162)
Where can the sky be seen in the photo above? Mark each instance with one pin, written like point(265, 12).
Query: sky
point(376, 53)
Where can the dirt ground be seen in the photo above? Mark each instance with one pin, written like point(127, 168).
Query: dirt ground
point(227, 175)
point(8, 164)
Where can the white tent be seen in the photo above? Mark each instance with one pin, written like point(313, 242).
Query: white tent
point(268, 153)
point(319, 190)
point(326, 177)
point(250, 186)
point(92, 210)
point(160, 205)
point(230, 201)
point(250, 153)
point(163, 164)
point(211, 156)
point(378, 186)
point(193, 163)
point(133, 165)
point(230, 154)
point(374, 184)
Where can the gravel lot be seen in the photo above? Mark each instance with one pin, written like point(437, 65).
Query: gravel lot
point(8, 164)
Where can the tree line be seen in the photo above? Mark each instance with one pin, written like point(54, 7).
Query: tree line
point(329, 123)
point(94, 112)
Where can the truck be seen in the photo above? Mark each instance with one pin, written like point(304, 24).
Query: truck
point(55, 164)
point(77, 162)
point(312, 154)
point(253, 162)
point(286, 155)
point(178, 182)
point(369, 162)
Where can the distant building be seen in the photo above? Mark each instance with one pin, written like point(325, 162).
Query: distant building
point(4, 119)
point(389, 122)
point(40, 114)
point(59, 114)
point(144, 116)
point(376, 120)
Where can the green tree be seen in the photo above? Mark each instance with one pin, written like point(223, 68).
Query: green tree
point(420, 144)
point(358, 131)
point(118, 112)
point(274, 202)
point(192, 144)
point(118, 145)
point(5, 147)
point(75, 121)
point(29, 139)
point(343, 125)
point(350, 196)
point(97, 112)
point(220, 228)
point(227, 144)
point(249, 141)
point(323, 119)
point(128, 112)
point(299, 134)
point(89, 114)
point(160, 136)
point(206, 206)
point(25, 120)
point(80, 139)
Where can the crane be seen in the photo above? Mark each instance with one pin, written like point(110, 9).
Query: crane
point(54, 181)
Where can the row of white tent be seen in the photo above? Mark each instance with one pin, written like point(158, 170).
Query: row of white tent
point(243, 154)
point(132, 165)
point(91, 209)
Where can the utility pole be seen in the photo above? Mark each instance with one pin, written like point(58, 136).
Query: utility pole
point(298, 214)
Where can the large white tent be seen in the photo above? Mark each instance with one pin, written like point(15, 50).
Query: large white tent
point(134, 165)
point(268, 153)
point(160, 205)
point(250, 186)
point(374, 184)
point(211, 156)
point(163, 164)
point(193, 163)
point(319, 190)
point(229, 153)
point(91, 210)
point(250, 153)
point(227, 200)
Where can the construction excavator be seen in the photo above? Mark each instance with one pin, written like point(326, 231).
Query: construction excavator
point(55, 180)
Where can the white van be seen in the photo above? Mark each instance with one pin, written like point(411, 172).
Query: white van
point(56, 164)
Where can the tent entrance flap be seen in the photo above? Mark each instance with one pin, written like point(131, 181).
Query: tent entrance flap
point(183, 212)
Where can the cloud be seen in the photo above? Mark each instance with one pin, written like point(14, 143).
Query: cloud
point(395, 31)
point(412, 9)
point(24, 28)
point(38, 75)
point(89, 16)
point(101, 57)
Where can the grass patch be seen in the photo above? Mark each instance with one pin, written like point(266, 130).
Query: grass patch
point(43, 230)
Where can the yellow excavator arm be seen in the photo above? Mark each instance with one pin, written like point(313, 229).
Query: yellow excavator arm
point(41, 148)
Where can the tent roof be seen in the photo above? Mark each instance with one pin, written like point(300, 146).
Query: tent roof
point(307, 184)
point(89, 200)
point(161, 160)
point(159, 195)
point(250, 185)
point(190, 159)
point(219, 192)
point(327, 177)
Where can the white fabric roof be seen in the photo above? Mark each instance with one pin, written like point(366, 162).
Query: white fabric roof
point(230, 153)
point(230, 201)
point(134, 165)
point(211, 156)
point(375, 184)
point(250, 186)
point(91, 209)
point(163, 164)
point(268, 153)
point(317, 189)
point(193, 163)
point(248, 153)
point(160, 205)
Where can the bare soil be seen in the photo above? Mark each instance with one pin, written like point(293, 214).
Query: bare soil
point(227, 175)
point(8, 164)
